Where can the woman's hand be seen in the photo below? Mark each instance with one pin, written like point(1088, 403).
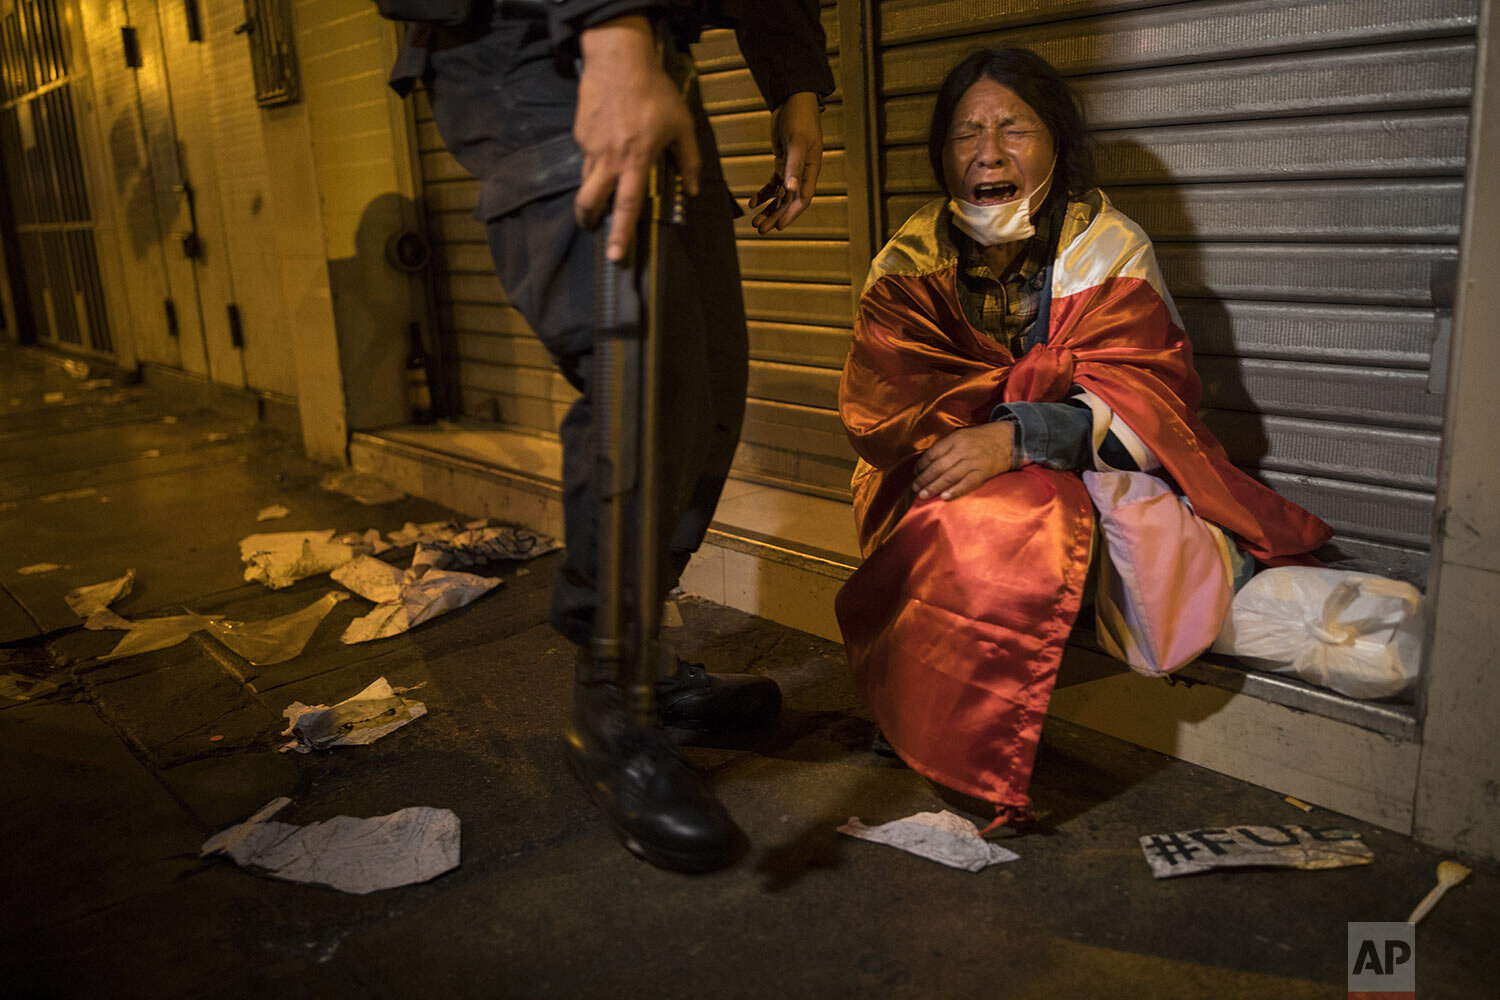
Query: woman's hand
point(966, 459)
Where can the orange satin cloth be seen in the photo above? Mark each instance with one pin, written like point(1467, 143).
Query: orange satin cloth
point(956, 622)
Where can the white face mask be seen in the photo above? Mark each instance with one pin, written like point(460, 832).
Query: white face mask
point(991, 225)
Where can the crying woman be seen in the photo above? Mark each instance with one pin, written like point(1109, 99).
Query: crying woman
point(1012, 336)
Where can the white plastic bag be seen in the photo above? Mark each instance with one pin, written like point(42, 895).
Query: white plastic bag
point(1356, 633)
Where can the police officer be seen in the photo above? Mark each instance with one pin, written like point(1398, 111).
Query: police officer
point(561, 118)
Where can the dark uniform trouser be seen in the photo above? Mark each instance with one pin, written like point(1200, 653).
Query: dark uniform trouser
point(505, 112)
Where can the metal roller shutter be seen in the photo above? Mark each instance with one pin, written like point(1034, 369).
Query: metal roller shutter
point(1298, 165)
point(501, 372)
point(797, 293)
point(797, 283)
point(1300, 168)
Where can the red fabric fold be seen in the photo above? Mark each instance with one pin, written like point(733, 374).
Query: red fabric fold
point(956, 651)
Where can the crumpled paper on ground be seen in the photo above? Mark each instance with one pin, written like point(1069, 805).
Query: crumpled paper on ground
point(1191, 851)
point(151, 634)
point(275, 512)
point(376, 711)
point(485, 540)
point(941, 836)
point(368, 490)
point(405, 598)
point(275, 640)
point(365, 542)
point(104, 618)
point(281, 558)
point(477, 546)
point(353, 855)
point(373, 579)
point(429, 531)
point(86, 600)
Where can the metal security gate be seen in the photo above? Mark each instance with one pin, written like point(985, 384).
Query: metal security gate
point(1299, 167)
point(44, 173)
point(798, 283)
point(503, 374)
point(797, 292)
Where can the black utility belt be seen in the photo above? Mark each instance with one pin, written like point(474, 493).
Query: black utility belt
point(458, 13)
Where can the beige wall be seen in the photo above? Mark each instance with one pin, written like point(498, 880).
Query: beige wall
point(340, 175)
point(242, 161)
point(321, 404)
point(362, 168)
point(107, 232)
point(187, 116)
point(1458, 790)
point(295, 206)
point(124, 123)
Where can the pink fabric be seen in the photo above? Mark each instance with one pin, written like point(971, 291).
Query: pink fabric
point(1165, 582)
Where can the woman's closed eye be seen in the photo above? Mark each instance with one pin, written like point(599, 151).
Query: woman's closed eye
point(1010, 136)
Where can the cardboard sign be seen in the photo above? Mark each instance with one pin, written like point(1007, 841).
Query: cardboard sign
point(1191, 851)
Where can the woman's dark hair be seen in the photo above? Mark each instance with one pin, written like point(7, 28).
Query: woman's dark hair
point(1035, 82)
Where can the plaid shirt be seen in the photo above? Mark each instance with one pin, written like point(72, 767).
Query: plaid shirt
point(1003, 308)
point(1057, 435)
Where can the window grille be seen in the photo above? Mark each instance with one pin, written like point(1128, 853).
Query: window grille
point(273, 57)
point(43, 173)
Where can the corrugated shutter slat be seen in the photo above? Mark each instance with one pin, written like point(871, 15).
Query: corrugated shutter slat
point(1206, 31)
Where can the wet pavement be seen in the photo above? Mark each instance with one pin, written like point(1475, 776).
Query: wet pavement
point(112, 781)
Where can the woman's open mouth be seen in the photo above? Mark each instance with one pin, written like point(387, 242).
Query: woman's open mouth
point(994, 193)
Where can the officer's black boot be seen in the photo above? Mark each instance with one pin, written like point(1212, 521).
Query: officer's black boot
point(689, 697)
point(658, 806)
